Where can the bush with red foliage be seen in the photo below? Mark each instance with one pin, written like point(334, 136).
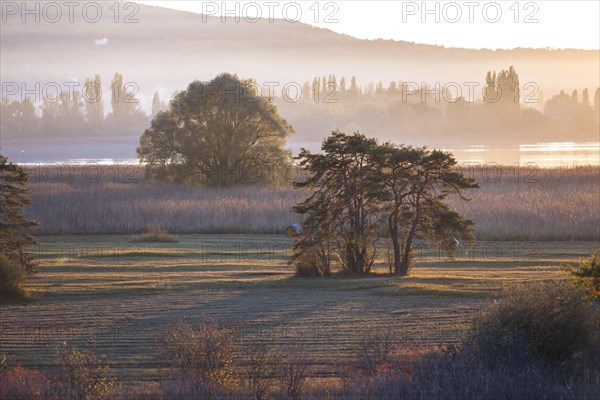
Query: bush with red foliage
point(18, 383)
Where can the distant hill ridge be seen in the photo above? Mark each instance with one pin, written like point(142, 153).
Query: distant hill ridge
point(169, 48)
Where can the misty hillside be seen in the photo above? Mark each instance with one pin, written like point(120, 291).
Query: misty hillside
point(167, 49)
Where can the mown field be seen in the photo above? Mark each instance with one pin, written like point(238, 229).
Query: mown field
point(122, 297)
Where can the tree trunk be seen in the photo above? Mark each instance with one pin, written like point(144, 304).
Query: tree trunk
point(406, 256)
point(408, 246)
point(394, 233)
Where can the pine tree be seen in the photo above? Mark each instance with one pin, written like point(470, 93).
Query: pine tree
point(358, 188)
point(339, 200)
point(14, 226)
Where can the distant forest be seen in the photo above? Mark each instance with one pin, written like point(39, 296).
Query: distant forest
point(500, 110)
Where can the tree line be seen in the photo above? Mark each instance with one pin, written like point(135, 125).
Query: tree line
point(76, 113)
point(500, 109)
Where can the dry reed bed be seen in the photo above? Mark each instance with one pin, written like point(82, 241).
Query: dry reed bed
point(550, 204)
point(512, 204)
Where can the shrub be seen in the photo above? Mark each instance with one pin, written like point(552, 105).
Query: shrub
point(376, 350)
point(264, 366)
point(139, 391)
point(462, 373)
point(551, 321)
point(452, 373)
point(18, 383)
point(378, 372)
point(293, 378)
point(307, 265)
point(83, 375)
point(156, 235)
point(312, 257)
point(587, 273)
point(539, 341)
point(12, 275)
point(202, 359)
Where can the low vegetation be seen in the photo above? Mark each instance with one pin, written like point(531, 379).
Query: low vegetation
point(202, 361)
point(12, 278)
point(83, 375)
point(128, 297)
point(156, 235)
point(15, 231)
point(511, 204)
point(587, 273)
point(536, 341)
point(550, 323)
point(18, 383)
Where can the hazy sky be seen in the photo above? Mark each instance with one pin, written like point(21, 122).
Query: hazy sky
point(473, 24)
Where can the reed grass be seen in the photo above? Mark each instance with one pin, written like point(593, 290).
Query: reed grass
point(512, 204)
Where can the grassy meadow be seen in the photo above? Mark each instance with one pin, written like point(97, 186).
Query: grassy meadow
point(512, 203)
point(122, 296)
point(107, 282)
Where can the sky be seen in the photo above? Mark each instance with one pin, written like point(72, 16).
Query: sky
point(470, 24)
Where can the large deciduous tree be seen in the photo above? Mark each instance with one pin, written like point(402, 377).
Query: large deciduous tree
point(219, 133)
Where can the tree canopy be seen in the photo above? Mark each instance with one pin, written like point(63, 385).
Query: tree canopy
point(340, 203)
point(361, 189)
point(219, 133)
point(15, 262)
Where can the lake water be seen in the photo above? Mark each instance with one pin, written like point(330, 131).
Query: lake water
point(551, 154)
point(554, 154)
